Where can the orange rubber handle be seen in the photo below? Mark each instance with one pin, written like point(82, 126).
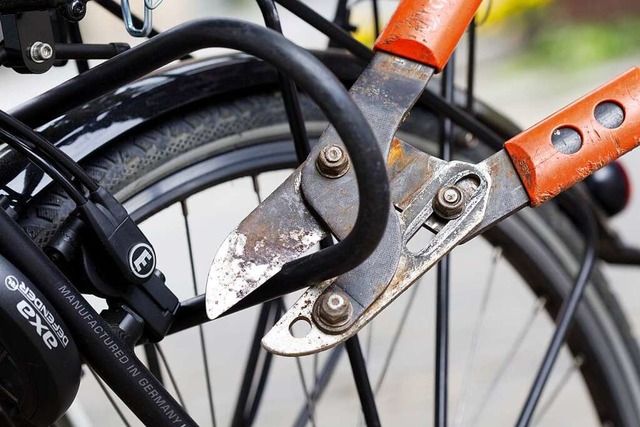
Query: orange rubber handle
point(427, 31)
point(571, 144)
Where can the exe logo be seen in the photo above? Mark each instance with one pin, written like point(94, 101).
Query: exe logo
point(34, 319)
point(34, 310)
point(142, 260)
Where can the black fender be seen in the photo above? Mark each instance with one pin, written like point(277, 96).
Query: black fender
point(84, 130)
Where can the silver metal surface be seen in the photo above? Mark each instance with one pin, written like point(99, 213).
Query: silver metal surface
point(332, 161)
point(473, 180)
point(506, 193)
point(147, 21)
point(279, 230)
point(332, 311)
point(385, 91)
point(449, 202)
point(40, 52)
point(454, 200)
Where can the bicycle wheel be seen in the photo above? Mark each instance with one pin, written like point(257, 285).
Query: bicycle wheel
point(204, 158)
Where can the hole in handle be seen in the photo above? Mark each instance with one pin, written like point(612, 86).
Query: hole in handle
point(567, 140)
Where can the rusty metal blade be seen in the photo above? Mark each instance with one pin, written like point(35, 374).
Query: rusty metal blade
point(279, 230)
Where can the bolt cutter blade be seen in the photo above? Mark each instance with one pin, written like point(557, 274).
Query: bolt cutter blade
point(258, 248)
point(282, 228)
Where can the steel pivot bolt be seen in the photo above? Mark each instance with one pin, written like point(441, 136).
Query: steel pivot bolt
point(449, 202)
point(332, 311)
point(332, 161)
point(40, 52)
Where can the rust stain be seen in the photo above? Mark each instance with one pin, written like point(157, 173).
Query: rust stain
point(397, 159)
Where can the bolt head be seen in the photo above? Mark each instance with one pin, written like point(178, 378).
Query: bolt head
point(77, 9)
point(334, 154)
point(449, 202)
point(332, 162)
point(40, 52)
point(451, 196)
point(333, 310)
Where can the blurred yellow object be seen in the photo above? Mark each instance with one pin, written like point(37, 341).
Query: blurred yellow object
point(500, 11)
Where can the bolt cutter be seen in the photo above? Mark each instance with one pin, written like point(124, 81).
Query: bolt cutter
point(453, 200)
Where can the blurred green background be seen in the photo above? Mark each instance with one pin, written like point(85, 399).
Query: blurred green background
point(568, 33)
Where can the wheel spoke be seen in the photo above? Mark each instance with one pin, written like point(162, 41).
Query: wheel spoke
point(565, 315)
point(316, 372)
point(310, 403)
point(257, 367)
point(467, 376)
point(110, 398)
point(396, 337)
point(203, 345)
point(256, 188)
point(544, 408)
point(171, 377)
point(376, 18)
point(152, 361)
point(509, 358)
point(442, 343)
point(367, 351)
point(325, 375)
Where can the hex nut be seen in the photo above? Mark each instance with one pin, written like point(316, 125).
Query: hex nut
point(332, 162)
point(332, 311)
point(449, 202)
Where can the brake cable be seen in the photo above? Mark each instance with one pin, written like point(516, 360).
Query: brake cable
point(27, 150)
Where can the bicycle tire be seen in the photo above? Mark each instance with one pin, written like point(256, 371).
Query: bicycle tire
point(542, 245)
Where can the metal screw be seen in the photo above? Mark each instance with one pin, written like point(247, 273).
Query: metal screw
point(40, 52)
point(332, 161)
point(77, 9)
point(332, 311)
point(449, 202)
